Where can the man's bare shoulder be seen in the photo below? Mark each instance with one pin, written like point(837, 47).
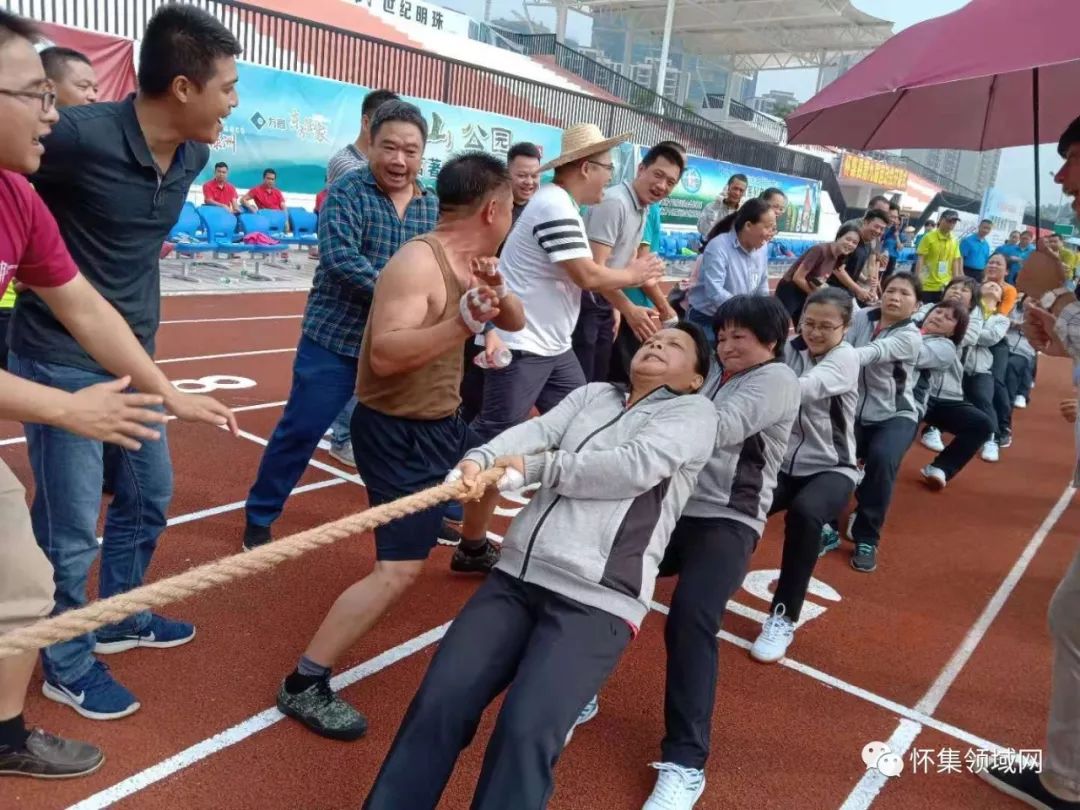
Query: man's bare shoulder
point(412, 269)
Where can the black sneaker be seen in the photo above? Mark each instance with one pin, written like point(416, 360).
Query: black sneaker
point(475, 563)
point(1005, 440)
point(255, 536)
point(1022, 782)
point(865, 558)
point(46, 756)
point(322, 711)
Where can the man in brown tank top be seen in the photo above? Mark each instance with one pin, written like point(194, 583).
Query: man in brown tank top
point(436, 292)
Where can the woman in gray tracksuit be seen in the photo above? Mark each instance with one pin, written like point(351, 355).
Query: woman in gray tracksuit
point(888, 345)
point(1020, 373)
point(756, 398)
point(979, 365)
point(965, 291)
point(939, 392)
point(574, 581)
point(819, 470)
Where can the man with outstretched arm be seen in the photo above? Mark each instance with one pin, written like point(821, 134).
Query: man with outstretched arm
point(32, 253)
point(115, 176)
point(437, 291)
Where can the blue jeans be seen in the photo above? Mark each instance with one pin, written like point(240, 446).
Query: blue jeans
point(323, 382)
point(67, 501)
point(339, 431)
point(705, 322)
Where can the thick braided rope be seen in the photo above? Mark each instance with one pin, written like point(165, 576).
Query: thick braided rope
point(74, 623)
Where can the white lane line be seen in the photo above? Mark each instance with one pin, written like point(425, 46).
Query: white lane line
point(234, 320)
point(832, 681)
point(318, 465)
point(224, 356)
point(239, 409)
point(872, 781)
point(249, 727)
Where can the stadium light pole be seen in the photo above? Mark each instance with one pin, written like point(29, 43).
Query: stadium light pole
point(665, 46)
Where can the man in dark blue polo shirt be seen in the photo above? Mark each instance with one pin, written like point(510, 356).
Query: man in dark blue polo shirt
point(115, 176)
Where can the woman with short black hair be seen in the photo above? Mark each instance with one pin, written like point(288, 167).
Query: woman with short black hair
point(819, 471)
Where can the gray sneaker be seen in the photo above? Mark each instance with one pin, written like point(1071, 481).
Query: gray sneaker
point(344, 454)
point(322, 711)
point(46, 756)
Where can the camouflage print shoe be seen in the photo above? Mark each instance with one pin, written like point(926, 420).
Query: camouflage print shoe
point(318, 708)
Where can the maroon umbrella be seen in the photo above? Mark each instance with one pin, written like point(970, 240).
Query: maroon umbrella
point(996, 73)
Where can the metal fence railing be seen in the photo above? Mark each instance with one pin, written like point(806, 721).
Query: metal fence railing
point(776, 130)
point(288, 42)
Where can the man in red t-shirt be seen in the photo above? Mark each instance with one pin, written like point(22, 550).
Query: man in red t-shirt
point(32, 253)
point(219, 191)
point(266, 196)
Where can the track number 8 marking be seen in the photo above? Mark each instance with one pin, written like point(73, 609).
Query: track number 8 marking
point(216, 382)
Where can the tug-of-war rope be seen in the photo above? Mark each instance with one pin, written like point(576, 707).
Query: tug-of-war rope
point(97, 614)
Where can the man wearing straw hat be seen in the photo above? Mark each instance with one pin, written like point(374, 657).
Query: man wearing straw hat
point(547, 262)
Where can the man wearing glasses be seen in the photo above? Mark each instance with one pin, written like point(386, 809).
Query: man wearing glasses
point(547, 261)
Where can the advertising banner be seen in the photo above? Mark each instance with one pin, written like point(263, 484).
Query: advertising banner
point(874, 172)
point(705, 178)
point(1006, 211)
point(293, 124)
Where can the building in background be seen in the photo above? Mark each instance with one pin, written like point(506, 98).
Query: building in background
point(974, 170)
point(776, 102)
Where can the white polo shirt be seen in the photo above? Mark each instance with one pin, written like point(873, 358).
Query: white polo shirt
point(548, 231)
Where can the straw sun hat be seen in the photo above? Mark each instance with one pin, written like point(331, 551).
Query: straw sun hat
point(582, 140)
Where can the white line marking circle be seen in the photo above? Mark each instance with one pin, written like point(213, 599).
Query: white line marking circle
point(215, 382)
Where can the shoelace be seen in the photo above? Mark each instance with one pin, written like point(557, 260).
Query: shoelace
point(674, 781)
point(863, 549)
point(776, 627)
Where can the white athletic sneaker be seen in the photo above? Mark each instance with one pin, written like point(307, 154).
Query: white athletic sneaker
point(588, 712)
point(777, 633)
point(344, 454)
point(934, 477)
point(931, 440)
point(1020, 401)
point(990, 451)
point(677, 788)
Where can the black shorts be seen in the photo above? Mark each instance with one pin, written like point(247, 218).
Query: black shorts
point(398, 457)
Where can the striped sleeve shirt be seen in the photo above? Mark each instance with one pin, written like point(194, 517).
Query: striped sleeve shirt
point(549, 231)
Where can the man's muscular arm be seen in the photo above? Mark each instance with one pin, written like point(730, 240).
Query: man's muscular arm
point(410, 287)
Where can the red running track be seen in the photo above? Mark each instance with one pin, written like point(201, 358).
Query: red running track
point(880, 661)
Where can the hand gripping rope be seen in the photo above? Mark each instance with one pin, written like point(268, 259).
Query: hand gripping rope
point(97, 614)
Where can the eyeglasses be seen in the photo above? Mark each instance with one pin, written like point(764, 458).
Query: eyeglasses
point(47, 98)
point(609, 166)
point(820, 328)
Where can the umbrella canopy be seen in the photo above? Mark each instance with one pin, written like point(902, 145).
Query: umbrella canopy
point(961, 81)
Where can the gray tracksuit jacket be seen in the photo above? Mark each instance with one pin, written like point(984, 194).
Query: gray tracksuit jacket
point(939, 373)
point(823, 434)
point(613, 481)
point(756, 409)
point(888, 366)
point(991, 329)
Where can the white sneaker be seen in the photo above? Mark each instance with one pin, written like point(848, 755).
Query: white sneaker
point(990, 451)
point(677, 788)
point(777, 633)
point(931, 440)
point(934, 477)
point(587, 713)
point(1020, 401)
point(344, 454)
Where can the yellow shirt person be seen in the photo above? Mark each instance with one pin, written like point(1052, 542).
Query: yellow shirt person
point(938, 257)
